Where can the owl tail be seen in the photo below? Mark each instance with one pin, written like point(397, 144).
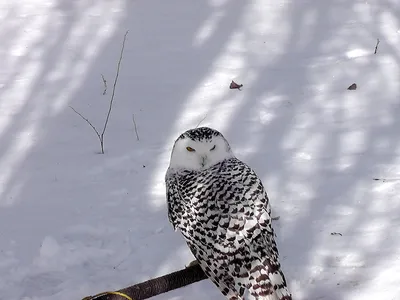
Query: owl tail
point(282, 292)
point(268, 283)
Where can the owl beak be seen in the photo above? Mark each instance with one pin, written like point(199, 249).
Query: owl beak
point(203, 160)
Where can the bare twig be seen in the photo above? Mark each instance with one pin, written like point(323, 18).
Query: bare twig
point(114, 86)
point(201, 121)
point(376, 47)
point(386, 179)
point(105, 84)
point(87, 121)
point(134, 125)
point(336, 233)
point(101, 135)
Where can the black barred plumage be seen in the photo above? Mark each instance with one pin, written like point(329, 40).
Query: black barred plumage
point(222, 209)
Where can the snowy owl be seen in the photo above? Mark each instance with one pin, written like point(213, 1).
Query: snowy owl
point(222, 210)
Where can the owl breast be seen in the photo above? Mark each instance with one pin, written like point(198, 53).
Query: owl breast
point(211, 208)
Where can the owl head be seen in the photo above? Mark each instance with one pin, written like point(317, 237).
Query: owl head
point(199, 149)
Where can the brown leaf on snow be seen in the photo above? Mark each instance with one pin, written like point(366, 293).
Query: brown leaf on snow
point(352, 87)
point(234, 85)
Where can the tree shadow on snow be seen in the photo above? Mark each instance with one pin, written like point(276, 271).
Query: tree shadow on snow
point(319, 146)
point(99, 222)
point(82, 222)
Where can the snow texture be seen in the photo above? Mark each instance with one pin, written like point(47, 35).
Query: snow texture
point(74, 222)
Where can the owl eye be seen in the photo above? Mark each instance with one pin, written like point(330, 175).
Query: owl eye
point(213, 148)
point(190, 149)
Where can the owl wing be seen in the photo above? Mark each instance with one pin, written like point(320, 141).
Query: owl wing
point(173, 195)
point(256, 265)
point(218, 275)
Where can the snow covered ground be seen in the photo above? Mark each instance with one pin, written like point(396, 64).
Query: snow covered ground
point(74, 222)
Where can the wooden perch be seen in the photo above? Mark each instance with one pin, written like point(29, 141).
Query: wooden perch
point(156, 286)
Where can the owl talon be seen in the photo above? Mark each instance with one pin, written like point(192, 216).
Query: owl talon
point(192, 263)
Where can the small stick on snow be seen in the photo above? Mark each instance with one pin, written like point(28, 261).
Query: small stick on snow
point(376, 47)
point(386, 179)
point(201, 121)
point(336, 233)
point(87, 121)
point(134, 125)
point(105, 84)
point(114, 86)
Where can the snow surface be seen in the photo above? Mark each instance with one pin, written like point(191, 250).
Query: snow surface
point(74, 222)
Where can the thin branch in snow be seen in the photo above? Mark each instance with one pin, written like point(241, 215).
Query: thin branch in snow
point(87, 121)
point(336, 233)
point(105, 84)
point(101, 135)
point(114, 86)
point(386, 179)
point(201, 121)
point(135, 127)
point(376, 46)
